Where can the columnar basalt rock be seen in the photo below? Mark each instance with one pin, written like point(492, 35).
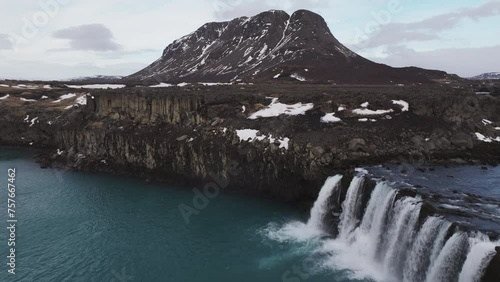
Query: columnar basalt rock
point(145, 109)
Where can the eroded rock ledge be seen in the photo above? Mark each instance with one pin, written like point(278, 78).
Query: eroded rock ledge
point(301, 135)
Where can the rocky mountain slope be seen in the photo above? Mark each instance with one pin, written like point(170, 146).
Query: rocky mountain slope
point(272, 46)
point(487, 76)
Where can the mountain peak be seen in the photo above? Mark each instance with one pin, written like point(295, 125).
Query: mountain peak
point(268, 46)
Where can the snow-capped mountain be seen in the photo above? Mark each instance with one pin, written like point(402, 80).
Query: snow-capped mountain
point(97, 79)
point(271, 46)
point(487, 76)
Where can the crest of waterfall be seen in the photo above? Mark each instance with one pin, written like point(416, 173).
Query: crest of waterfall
point(320, 207)
point(350, 208)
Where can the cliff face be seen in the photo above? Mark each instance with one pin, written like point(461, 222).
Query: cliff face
point(189, 134)
point(214, 155)
point(145, 109)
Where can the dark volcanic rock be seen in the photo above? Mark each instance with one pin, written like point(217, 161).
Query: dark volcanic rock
point(269, 46)
point(493, 271)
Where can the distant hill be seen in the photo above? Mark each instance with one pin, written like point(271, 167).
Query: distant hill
point(97, 79)
point(487, 76)
point(273, 46)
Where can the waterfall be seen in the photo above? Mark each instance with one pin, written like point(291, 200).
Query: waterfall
point(440, 241)
point(477, 261)
point(350, 208)
point(320, 207)
point(448, 263)
point(390, 238)
point(369, 234)
point(433, 230)
point(401, 233)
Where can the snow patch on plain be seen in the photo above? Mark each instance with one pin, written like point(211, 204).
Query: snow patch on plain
point(251, 135)
point(161, 85)
point(27, 100)
point(276, 109)
point(65, 97)
point(483, 138)
point(330, 118)
point(298, 77)
point(404, 104)
point(367, 112)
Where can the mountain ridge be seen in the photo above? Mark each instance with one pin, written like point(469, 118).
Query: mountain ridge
point(272, 45)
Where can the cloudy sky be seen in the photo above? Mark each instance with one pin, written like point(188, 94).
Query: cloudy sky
point(57, 39)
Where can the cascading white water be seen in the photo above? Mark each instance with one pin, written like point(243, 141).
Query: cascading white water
point(440, 241)
point(401, 233)
point(350, 208)
point(447, 264)
point(368, 235)
point(320, 207)
point(390, 243)
point(420, 254)
point(479, 257)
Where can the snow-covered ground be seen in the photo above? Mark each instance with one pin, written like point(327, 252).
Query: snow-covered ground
point(82, 100)
point(276, 109)
point(298, 77)
point(330, 118)
point(251, 135)
point(214, 83)
point(404, 104)
point(162, 85)
point(483, 138)
point(27, 100)
point(5, 97)
point(24, 86)
point(247, 134)
point(367, 112)
point(65, 97)
point(97, 86)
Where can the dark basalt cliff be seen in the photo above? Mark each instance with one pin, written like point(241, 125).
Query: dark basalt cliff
point(189, 133)
point(272, 46)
